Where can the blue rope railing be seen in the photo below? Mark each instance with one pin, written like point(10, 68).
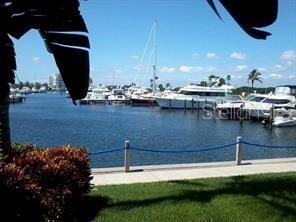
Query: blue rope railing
point(106, 151)
point(193, 150)
point(268, 146)
point(185, 151)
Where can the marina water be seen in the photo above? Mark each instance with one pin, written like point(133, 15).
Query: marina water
point(52, 120)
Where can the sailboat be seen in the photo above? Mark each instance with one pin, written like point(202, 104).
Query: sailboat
point(141, 96)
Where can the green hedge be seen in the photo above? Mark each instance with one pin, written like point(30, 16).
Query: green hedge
point(43, 184)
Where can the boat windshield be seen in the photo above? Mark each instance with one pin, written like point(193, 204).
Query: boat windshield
point(214, 94)
point(257, 98)
point(282, 90)
point(277, 101)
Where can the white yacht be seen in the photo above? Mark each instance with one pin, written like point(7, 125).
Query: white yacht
point(282, 117)
point(195, 96)
point(140, 96)
point(284, 96)
point(16, 96)
point(118, 96)
point(233, 109)
point(96, 95)
point(43, 89)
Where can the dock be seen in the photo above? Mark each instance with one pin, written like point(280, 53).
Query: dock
point(157, 173)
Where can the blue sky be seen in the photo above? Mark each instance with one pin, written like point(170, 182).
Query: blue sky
point(192, 43)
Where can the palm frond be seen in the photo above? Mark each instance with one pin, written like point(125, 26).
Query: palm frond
point(7, 61)
point(251, 14)
point(63, 30)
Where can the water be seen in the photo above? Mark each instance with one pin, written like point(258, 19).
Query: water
point(51, 120)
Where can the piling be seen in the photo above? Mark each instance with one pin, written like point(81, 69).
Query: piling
point(238, 150)
point(271, 116)
point(126, 156)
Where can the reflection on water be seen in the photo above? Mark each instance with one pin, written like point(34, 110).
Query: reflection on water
point(51, 119)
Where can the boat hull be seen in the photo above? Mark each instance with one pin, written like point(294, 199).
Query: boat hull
point(282, 122)
point(167, 103)
point(143, 102)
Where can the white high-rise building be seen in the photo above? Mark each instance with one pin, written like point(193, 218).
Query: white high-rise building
point(56, 82)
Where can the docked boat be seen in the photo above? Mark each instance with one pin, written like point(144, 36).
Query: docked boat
point(282, 121)
point(143, 100)
point(141, 96)
point(281, 118)
point(234, 109)
point(118, 97)
point(284, 96)
point(43, 89)
point(15, 96)
point(97, 95)
point(194, 96)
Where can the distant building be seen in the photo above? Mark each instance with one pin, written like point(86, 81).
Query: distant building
point(56, 82)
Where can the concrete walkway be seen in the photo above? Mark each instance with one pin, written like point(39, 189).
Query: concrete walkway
point(144, 174)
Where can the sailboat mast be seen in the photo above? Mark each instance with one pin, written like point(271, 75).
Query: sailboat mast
point(154, 65)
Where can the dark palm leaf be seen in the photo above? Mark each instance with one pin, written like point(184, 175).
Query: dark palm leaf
point(63, 30)
point(251, 14)
point(7, 67)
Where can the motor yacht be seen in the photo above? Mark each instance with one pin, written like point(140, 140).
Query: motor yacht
point(194, 96)
point(283, 96)
point(118, 97)
point(97, 95)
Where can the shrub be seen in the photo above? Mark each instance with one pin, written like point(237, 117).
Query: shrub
point(51, 181)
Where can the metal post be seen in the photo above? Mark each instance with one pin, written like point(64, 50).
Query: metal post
point(185, 105)
point(241, 114)
point(271, 116)
point(238, 150)
point(126, 155)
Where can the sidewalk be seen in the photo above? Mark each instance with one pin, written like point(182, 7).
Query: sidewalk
point(144, 174)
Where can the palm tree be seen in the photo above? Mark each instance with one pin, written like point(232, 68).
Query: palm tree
point(221, 82)
point(254, 76)
point(228, 78)
point(59, 23)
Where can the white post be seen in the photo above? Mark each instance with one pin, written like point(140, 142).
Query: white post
point(238, 150)
point(126, 155)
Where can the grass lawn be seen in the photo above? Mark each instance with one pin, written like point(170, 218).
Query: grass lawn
point(265, 197)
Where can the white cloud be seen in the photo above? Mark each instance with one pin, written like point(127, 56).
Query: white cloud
point(289, 55)
point(238, 56)
point(36, 59)
point(291, 77)
point(135, 57)
point(167, 69)
point(196, 69)
point(236, 77)
point(211, 55)
point(262, 69)
point(195, 55)
point(118, 71)
point(138, 68)
point(274, 76)
point(241, 68)
point(279, 67)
